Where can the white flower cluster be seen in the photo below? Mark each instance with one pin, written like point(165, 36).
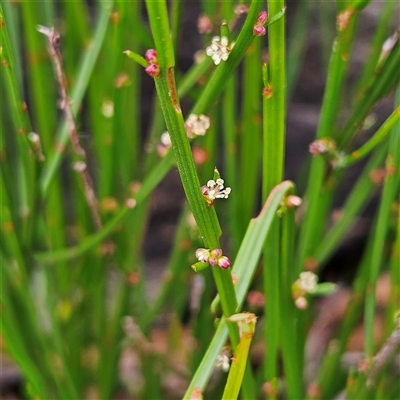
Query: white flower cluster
point(219, 49)
point(308, 281)
point(215, 190)
point(222, 362)
point(213, 257)
point(197, 125)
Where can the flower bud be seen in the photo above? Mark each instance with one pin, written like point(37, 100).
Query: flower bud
point(213, 261)
point(259, 30)
point(224, 262)
point(153, 70)
point(151, 56)
point(262, 18)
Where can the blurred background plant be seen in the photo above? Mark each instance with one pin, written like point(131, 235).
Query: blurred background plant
point(98, 299)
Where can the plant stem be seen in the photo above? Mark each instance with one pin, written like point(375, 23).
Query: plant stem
point(205, 216)
point(274, 126)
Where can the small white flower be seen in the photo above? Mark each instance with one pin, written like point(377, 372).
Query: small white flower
point(215, 190)
point(222, 362)
point(164, 145)
point(219, 49)
point(197, 125)
point(202, 254)
point(79, 166)
point(308, 281)
point(166, 139)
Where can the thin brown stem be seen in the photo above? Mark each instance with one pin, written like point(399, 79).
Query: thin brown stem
point(385, 353)
point(65, 104)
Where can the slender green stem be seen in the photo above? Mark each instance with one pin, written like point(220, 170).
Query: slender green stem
point(204, 215)
point(355, 202)
point(389, 195)
point(274, 129)
point(297, 43)
point(378, 137)
point(385, 78)
point(318, 199)
point(232, 149)
point(250, 133)
point(22, 164)
point(292, 340)
point(381, 34)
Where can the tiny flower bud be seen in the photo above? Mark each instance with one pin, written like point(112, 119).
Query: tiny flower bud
point(153, 70)
point(256, 299)
point(213, 257)
point(130, 203)
point(200, 155)
point(293, 201)
point(79, 166)
point(204, 24)
point(301, 303)
point(151, 56)
point(216, 253)
point(241, 9)
point(318, 147)
point(259, 30)
point(34, 137)
point(213, 261)
point(166, 139)
point(322, 146)
point(262, 18)
point(224, 262)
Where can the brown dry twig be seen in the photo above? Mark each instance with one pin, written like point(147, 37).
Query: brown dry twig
point(385, 354)
point(65, 104)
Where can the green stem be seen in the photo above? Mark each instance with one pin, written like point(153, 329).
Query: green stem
point(355, 202)
point(318, 199)
point(274, 128)
point(204, 215)
point(292, 340)
point(379, 136)
point(247, 324)
point(389, 195)
point(244, 268)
